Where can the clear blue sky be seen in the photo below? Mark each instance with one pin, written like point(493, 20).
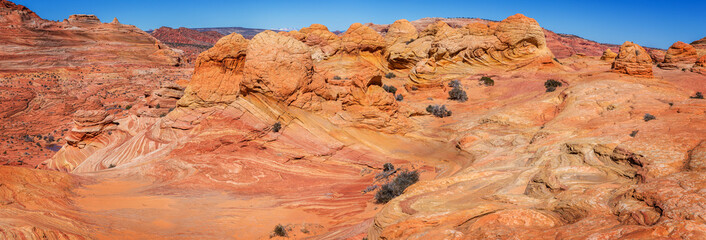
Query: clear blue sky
point(648, 23)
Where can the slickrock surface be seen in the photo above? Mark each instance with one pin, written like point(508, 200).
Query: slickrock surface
point(294, 129)
point(633, 60)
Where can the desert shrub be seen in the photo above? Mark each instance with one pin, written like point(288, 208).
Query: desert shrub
point(438, 111)
point(280, 231)
point(388, 167)
point(157, 106)
point(390, 75)
point(698, 95)
point(112, 165)
point(395, 188)
point(487, 81)
point(276, 127)
point(390, 89)
point(336, 77)
point(128, 107)
point(415, 88)
point(454, 84)
point(648, 117)
point(551, 85)
point(458, 94)
point(399, 97)
point(634, 133)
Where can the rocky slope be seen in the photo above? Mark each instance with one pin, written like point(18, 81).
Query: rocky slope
point(190, 41)
point(295, 129)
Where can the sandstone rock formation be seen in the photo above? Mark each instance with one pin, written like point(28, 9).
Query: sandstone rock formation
point(80, 40)
point(609, 55)
point(301, 129)
point(633, 60)
point(679, 54)
point(700, 65)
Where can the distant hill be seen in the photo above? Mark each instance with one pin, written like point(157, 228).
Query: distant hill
point(246, 32)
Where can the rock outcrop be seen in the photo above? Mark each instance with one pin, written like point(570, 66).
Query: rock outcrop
point(609, 55)
point(633, 60)
point(192, 42)
point(700, 65)
point(80, 40)
point(678, 55)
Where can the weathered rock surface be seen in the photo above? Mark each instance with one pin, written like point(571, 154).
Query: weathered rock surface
point(633, 60)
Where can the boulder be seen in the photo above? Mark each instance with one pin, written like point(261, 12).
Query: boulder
point(609, 55)
point(360, 38)
point(277, 65)
point(633, 60)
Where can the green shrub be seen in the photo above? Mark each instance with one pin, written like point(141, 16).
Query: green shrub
point(698, 95)
point(128, 107)
point(390, 75)
point(399, 97)
point(336, 78)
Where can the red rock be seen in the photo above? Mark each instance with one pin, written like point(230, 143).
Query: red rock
point(679, 53)
point(700, 65)
point(190, 41)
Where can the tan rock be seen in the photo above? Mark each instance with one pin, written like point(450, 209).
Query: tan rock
point(633, 60)
point(609, 55)
point(218, 73)
point(277, 65)
point(359, 38)
point(700, 65)
point(401, 30)
point(679, 55)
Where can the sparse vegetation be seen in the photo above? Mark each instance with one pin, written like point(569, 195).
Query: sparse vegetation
point(454, 84)
point(648, 117)
point(390, 75)
point(487, 81)
point(336, 77)
point(551, 85)
point(395, 188)
point(634, 133)
point(399, 97)
point(388, 167)
point(280, 231)
point(276, 127)
point(128, 107)
point(157, 107)
point(457, 93)
point(438, 111)
point(112, 165)
point(697, 95)
point(390, 89)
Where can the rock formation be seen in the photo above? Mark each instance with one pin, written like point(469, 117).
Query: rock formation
point(608, 55)
point(298, 132)
point(633, 60)
point(679, 54)
point(700, 65)
point(79, 40)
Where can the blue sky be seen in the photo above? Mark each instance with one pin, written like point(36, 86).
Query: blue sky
point(648, 23)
